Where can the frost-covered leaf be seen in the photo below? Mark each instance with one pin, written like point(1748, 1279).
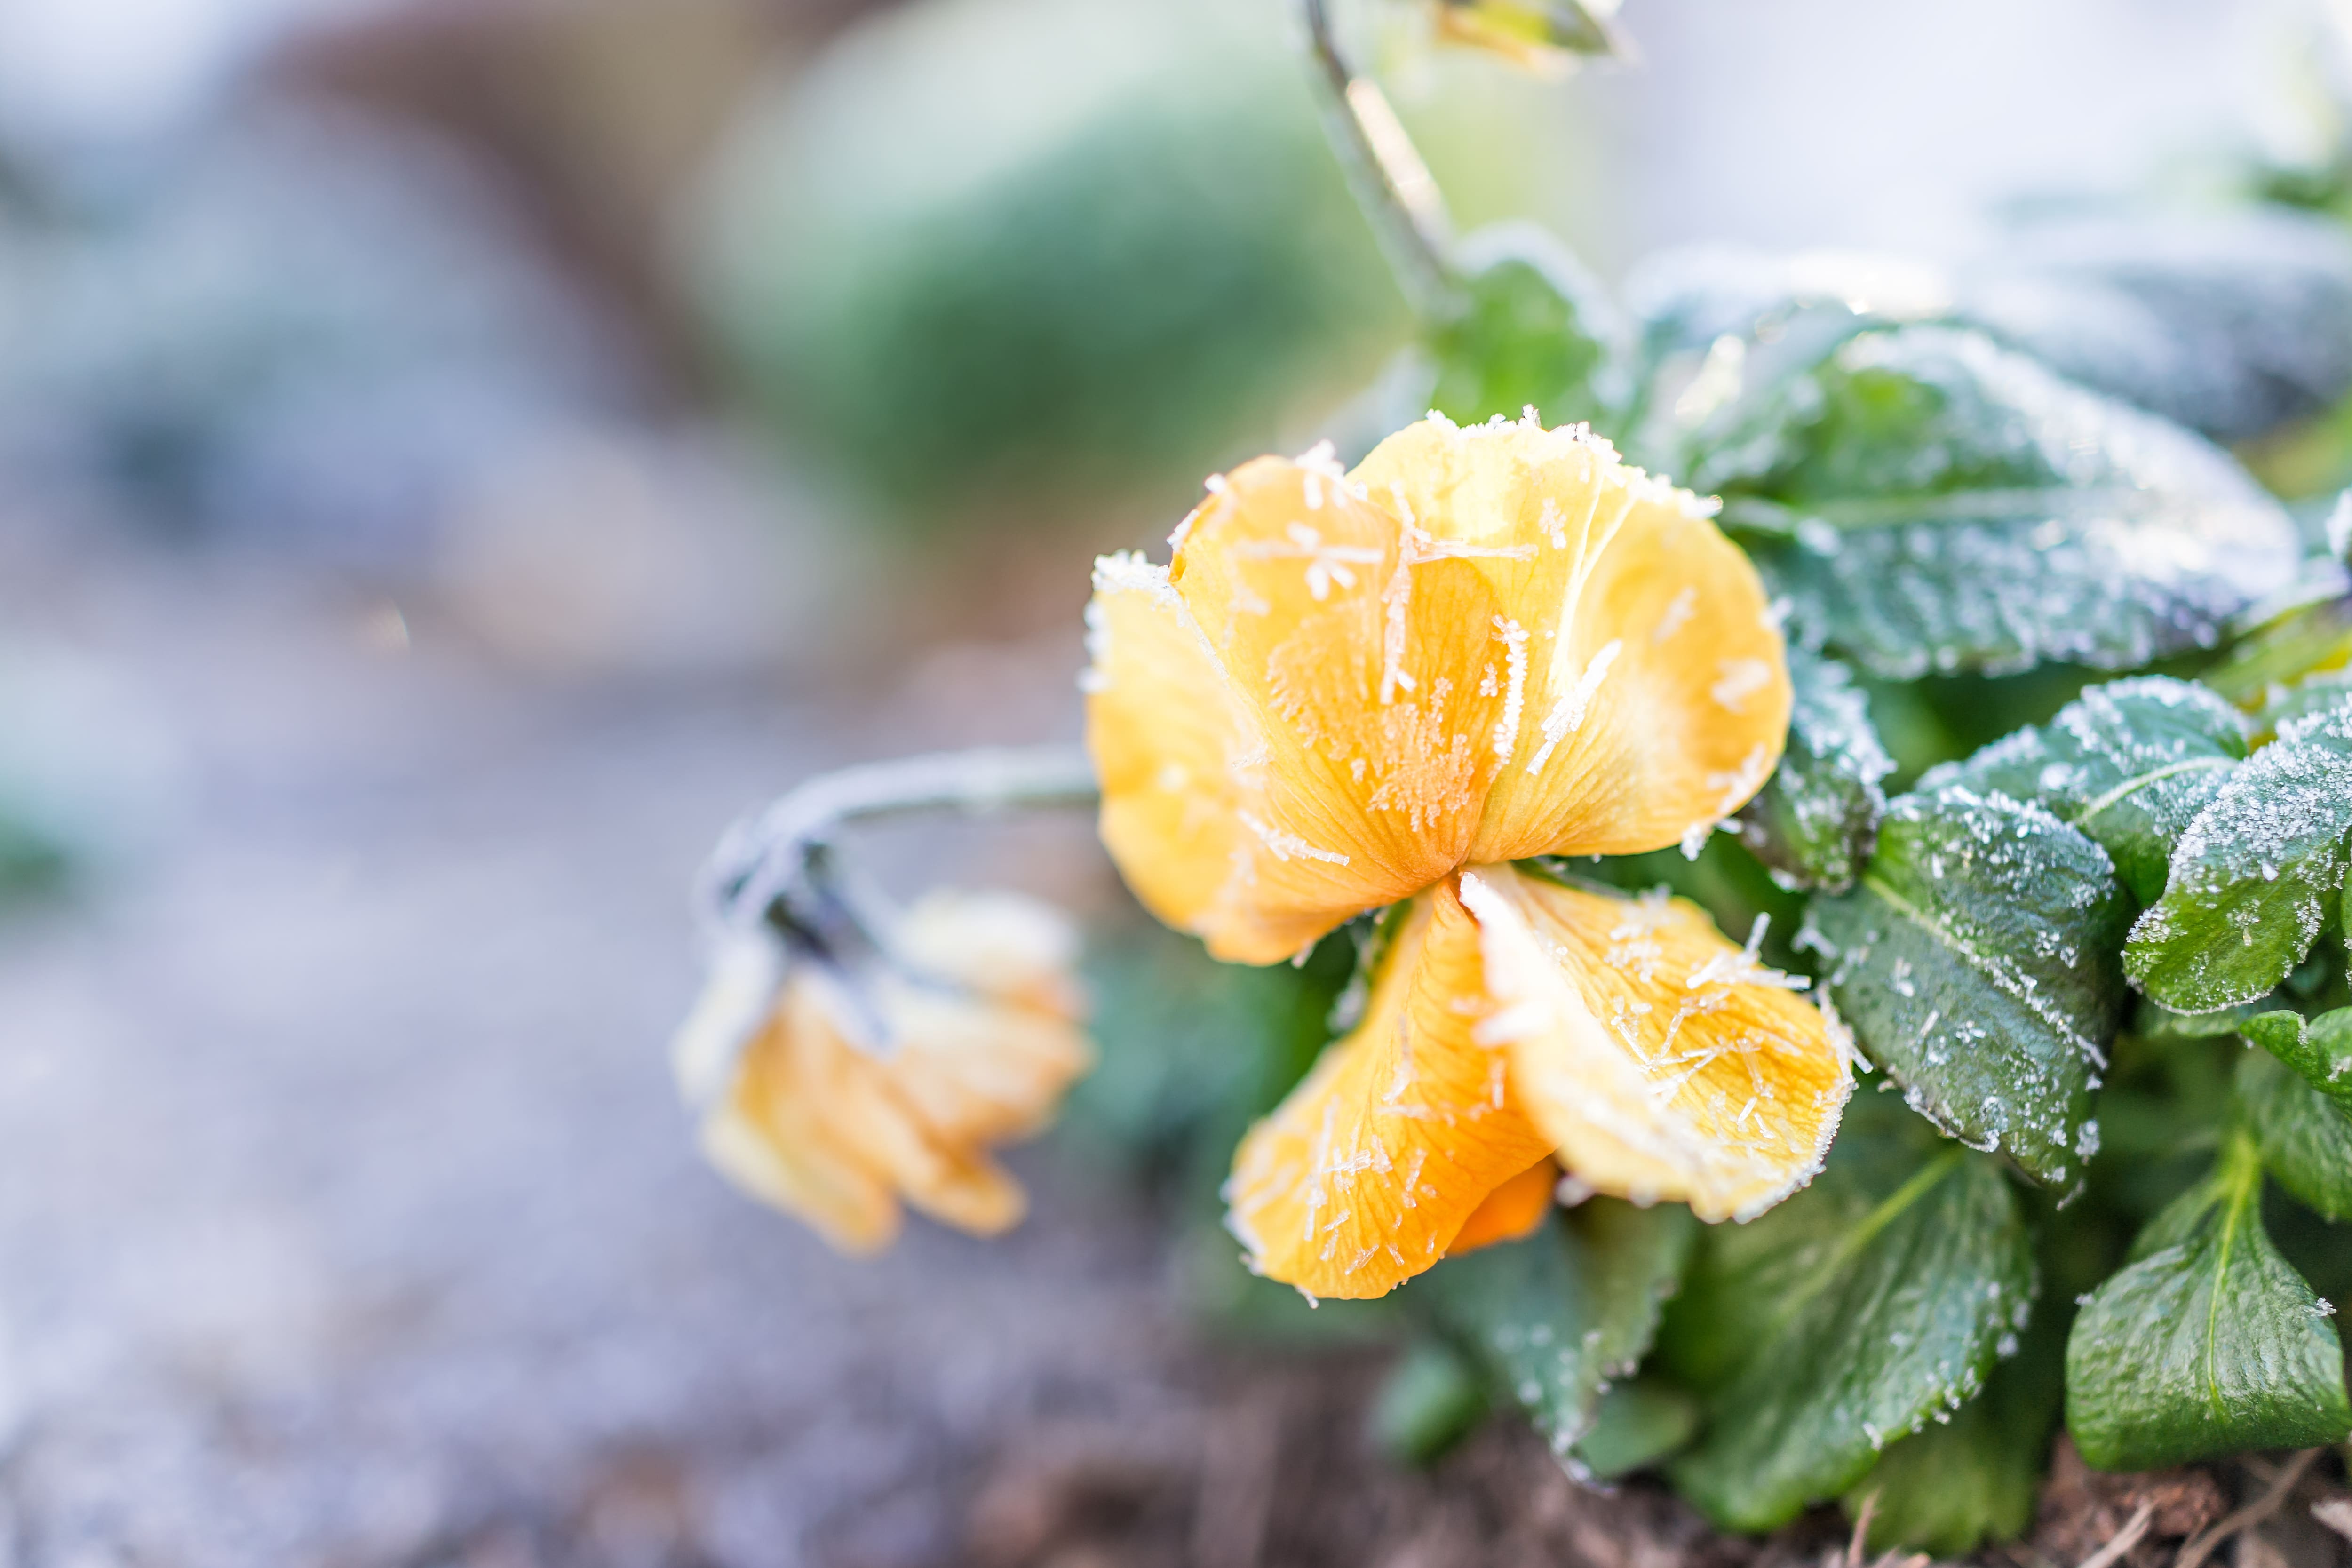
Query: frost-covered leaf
point(1721, 331)
point(1817, 817)
point(1975, 962)
point(2256, 875)
point(2312, 694)
point(1539, 332)
point(2305, 1137)
point(1928, 500)
point(1843, 1320)
point(2131, 763)
point(1951, 1486)
point(2318, 1048)
point(1556, 1317)
point(2230, 325)
point(1685, 301)
point(2208, 1343)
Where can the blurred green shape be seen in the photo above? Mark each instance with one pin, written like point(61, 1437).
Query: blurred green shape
point(1539, 332)
point(1638, 1424)
point(1433, 1399)
point(1016, 257)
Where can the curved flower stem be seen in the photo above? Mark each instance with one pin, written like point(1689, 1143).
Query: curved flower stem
point(773, 893)
point(1385, 171)
point(761, 860)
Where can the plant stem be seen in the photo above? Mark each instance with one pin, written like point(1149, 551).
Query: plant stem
point(1385, 171)
point(761, 859)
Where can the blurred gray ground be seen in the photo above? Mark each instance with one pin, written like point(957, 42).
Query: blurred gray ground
point(345, 1212)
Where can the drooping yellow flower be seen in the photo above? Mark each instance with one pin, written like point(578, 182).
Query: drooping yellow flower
point(1516, 1017)
point(982, 1035)
point(1482, 645)
point(1350, 689)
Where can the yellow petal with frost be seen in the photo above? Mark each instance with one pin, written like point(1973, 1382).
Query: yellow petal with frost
point(1483, 644)
point(983, 1039)
point(1368, 1170)
point(1654, 697)
point(1662, 1061)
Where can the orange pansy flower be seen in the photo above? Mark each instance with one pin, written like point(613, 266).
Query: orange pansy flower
point(1482, 645)
point(1348, 690)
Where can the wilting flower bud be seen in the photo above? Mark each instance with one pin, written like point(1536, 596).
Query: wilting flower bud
point(841, 1106)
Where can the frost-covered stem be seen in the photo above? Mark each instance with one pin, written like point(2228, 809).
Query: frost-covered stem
point(1385, 171)
point(773, 895)
point(761, 858)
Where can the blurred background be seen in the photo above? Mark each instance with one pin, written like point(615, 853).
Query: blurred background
point(455, 455)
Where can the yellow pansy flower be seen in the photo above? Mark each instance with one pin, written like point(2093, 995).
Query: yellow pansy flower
point(1482, 645)
point(1352, 689)
point(980, 1033)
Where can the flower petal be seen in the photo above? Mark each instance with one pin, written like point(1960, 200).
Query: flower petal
point(1341, 730)
point(1482, 645)
point(1511, 1211)
point(984, 1040)
point(1655, 697)
point(1365, 1174)
point(1663, 1061)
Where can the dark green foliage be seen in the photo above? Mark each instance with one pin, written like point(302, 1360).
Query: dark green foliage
point(2131, 763)
point(1817, 817)
point(2319, 1048)
point(1434, 1396)
point(1975, 963)
point(1847, 1318)
point(2305, 1137)
point(1639, 1423)
point(1977, 1477)
point(1557, 1317)
point(1928, 500)
point(2207, 1342)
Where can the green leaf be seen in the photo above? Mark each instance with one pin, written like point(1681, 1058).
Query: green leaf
point(1433, 1399)
point(2255, 876)
point(2131, 763)
point(1839, 1322)
point(1687, 300)
point(2305, 1137)
point(2232, 325)
point(1638, 1424)
point(1539, 332)
point(1816, 818)
point(2319, 1048)
point(1975, 962)
point(2154, 1021)
point(1557, 1316)
point(2312, 694)
point(1953, 1486)
point(2208, 1343)
point(1928, 500)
